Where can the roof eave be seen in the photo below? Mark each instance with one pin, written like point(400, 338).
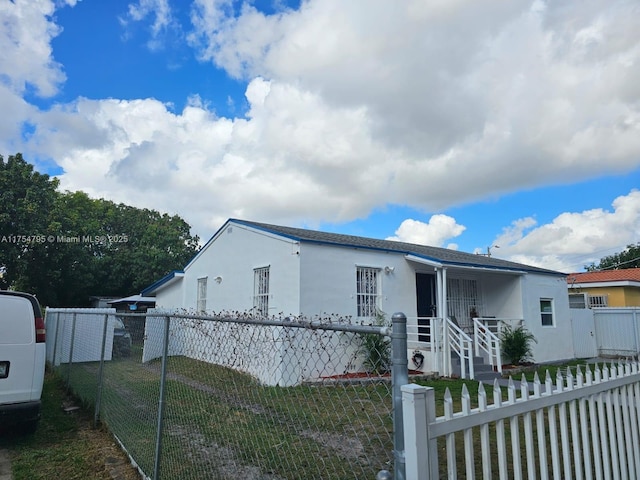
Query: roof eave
point(164, 282)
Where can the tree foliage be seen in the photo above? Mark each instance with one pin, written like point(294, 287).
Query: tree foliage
point(628, 258)
point(66, 247)
point(26, 198)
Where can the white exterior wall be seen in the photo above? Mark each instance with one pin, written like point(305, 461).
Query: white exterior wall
point(328, 280)
point(556, 342)
point(502, 294)
point(319, 279)
point(170, 296)
point(328, 286)
point(233, 255)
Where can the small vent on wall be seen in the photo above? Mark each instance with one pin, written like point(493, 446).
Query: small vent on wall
point(230, 230)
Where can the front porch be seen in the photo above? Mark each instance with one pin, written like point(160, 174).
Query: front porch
point(438, 345)
point(474, 301)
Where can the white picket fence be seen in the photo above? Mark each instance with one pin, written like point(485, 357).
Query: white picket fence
point(582, 426)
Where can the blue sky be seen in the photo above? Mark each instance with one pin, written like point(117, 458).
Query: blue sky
point(458, 124)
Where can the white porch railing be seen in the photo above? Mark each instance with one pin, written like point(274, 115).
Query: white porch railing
point(430, 332)
point(426, 333)
point(585, 426)
point(458, 342)
point(488, 342)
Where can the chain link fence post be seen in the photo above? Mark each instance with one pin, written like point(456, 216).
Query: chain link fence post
point(399, 377)
point(55, 338)
point(73, 335)
point(161, 401)
point(96, 413)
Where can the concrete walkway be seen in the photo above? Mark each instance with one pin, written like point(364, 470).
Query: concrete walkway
point(5, 465)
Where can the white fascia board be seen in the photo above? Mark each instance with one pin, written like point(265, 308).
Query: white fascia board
point(177, 277)
point(488, 269)
point(621, 283)
point(424, 261)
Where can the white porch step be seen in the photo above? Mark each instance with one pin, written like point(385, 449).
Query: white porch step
point(483, 372)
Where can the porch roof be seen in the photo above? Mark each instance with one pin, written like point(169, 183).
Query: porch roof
point(436, 255)
point(424, 261)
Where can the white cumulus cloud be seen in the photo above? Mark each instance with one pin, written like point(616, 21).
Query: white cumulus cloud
point(25, 42)
point(353, 106)
point(574, 239)
point(435, 233)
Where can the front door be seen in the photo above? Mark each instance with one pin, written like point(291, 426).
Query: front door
point(426, 304)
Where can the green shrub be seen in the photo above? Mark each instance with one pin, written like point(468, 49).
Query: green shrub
point(376, 349)
point(516, 344)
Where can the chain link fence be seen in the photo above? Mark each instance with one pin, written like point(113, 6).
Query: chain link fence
point(235, 396)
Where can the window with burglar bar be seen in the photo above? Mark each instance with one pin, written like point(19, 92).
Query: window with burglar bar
point(202, 295)
point(463, 299)
point(598, 301)
point(578, 300)
point(261, 291)
point(368, 291)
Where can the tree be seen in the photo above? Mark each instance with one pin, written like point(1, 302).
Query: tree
point(66, 247)
point(146, 246)
point(122, 249)
point(628, 258)
point(26, 198)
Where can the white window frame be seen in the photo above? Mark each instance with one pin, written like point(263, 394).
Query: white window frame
point(201, 295)
point(578, 300)
point(261, 290)
point(368, 291)
point(547, 314)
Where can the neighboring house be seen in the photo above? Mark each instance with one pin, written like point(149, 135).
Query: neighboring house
point(281, 271)
point(100, 302)
point(605, 288)
point(132, 304)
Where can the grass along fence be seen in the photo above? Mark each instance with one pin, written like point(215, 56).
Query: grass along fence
point(180, 417)
point(576, 426)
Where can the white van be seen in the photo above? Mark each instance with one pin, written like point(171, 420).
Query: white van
point(22, 360)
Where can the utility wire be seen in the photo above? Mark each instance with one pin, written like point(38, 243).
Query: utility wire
point(618, 264)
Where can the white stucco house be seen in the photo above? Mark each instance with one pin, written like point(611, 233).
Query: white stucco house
point(281, 271)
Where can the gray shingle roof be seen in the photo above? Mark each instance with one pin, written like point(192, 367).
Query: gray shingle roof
point(437, 254)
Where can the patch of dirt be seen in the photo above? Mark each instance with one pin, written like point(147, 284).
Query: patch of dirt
point(108, 459)
point(346, 447)
point(223, 459)
point(511, 369)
